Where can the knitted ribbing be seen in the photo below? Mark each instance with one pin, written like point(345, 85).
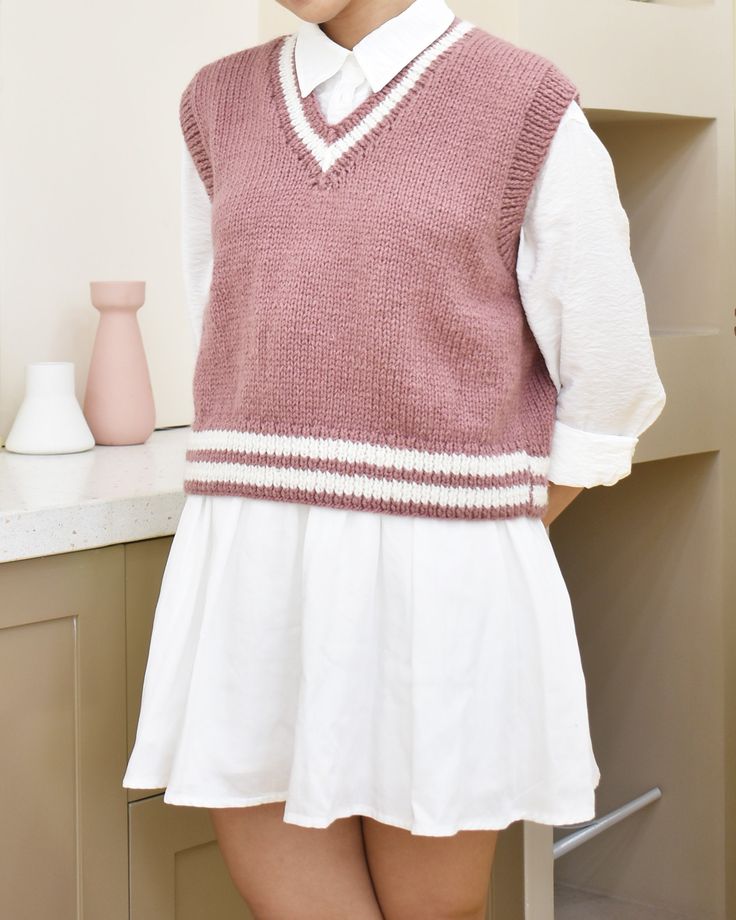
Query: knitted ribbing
point(364, 344)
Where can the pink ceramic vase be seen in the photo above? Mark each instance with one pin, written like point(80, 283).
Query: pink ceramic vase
point(118, 401)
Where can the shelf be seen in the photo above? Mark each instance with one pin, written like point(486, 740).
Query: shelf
point(578, 904)
point(647, 562)
point(642, 562)
point(688, 423)
point(667, 180)
point(612, 46)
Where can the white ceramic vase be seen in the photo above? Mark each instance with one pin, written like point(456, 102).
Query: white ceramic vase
point(50, 419)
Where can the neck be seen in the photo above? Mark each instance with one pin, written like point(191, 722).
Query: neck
point(359, 18)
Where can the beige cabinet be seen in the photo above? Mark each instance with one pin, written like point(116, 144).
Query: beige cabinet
point(176, 869)
point(71, 843)
point(63, 835)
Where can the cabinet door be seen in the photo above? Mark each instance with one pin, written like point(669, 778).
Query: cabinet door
point(176, 868)
point(63, 828)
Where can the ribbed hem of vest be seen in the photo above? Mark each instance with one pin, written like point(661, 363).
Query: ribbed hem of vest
point(359, 475)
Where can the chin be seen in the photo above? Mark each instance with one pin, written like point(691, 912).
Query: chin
point(315, 10)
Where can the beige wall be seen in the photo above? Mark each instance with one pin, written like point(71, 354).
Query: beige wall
point(90, 176)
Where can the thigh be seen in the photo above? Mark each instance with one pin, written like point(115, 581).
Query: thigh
point(287, 872)
point(436, 878)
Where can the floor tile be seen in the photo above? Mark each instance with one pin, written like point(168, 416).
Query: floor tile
point(577, 904)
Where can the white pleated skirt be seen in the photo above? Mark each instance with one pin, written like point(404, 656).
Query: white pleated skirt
point(420, 671)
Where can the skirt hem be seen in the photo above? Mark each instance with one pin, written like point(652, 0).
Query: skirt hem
point(303, 820)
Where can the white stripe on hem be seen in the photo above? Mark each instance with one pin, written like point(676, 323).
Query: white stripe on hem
point(347, 451)
point(324, 481)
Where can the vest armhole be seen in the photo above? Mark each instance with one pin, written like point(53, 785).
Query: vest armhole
point(190, 122)
point(553, 95)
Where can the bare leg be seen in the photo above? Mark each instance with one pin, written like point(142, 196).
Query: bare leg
point(435, 878)
point(287, 872)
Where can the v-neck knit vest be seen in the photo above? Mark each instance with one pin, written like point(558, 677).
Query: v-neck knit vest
point(364, 343)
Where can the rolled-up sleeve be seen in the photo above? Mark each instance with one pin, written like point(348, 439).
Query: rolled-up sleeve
point(585, 306)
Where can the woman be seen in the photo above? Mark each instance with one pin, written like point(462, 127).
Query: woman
point(420, 335)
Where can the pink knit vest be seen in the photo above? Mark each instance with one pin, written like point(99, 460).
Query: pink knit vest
point(364, 344)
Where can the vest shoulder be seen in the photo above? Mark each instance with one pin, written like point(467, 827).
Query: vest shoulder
point(220, 69)
point(516, 61)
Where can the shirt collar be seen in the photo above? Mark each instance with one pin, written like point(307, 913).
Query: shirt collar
point(380, 54)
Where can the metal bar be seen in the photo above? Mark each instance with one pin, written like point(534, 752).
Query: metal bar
point(587, 831)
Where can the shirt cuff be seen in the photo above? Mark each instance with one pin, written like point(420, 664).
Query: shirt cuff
point(584, 459)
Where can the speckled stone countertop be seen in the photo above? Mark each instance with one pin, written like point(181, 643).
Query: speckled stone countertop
point(58, 503)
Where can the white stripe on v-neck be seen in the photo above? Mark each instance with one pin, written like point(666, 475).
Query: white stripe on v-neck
point(327, 154)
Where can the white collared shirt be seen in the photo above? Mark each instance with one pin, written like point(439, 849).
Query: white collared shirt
point(579, 287)
point(376, 58)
